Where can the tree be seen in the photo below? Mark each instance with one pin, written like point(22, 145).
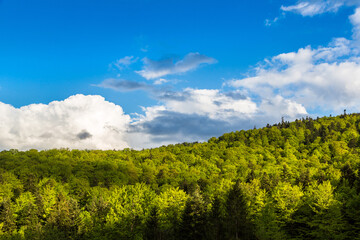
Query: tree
point(152, 229)
point(193, 219)
point(237, 222)
point(215, 220)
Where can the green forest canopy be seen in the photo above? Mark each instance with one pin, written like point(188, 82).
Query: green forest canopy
point(295, 180)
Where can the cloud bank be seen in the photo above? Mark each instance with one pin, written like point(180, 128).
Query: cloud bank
point(82, 122)
point(91, 122)
point(198, 114)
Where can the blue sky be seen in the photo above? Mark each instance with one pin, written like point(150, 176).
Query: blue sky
point(170, 71)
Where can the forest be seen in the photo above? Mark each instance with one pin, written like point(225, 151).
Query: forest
point(291, 180)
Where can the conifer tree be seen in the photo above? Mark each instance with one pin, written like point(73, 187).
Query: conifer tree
point(237, 223)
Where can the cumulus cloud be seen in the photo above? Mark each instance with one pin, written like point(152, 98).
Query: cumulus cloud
point(156, 69)
point(82, 122)
point(209, 102)
point(91, 122)
point(316, 7)
point(198, 114)
point(325, 77)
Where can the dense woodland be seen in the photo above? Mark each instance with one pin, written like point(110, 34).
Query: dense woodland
point(297, 180)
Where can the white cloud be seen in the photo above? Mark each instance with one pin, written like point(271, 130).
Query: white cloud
point(270, 110)
point(269, 22)
point(161, 81)
point(311, 8)
point(326, 77)
point(211, 103)
point(124, 62)
point(77, 122)
point(355, 21)
point(316, 7)
point(198, 114)
point(156, 69)
point(90, 122)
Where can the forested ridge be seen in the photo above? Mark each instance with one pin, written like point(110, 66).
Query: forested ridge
point(297, 180)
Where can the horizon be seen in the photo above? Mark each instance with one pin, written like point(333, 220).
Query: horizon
point(305, 118)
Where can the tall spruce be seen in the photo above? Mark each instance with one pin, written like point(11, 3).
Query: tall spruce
point(194, 218)
point(237, 222)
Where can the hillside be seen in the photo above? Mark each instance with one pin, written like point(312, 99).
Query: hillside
point(295, 180)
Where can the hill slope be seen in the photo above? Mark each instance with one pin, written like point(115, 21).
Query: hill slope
point(295, 180)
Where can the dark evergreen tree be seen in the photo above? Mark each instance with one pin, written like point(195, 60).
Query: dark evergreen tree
point(152, 230)
point(237, 222)
point(214, 223)
point(194, 218)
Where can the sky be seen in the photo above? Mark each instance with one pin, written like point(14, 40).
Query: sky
point(114, 74)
